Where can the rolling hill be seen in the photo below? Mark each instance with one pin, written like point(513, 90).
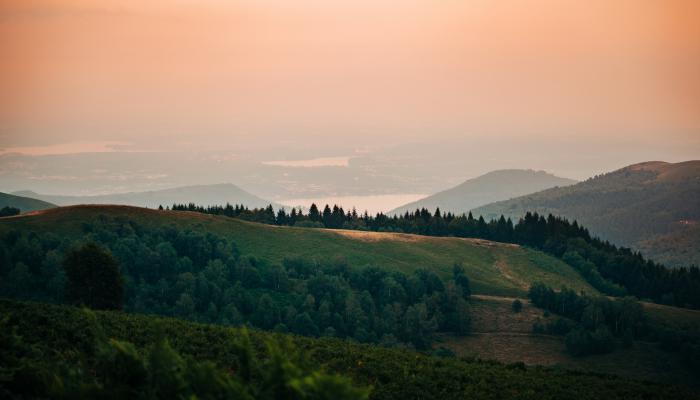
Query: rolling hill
point(218, 194)
point(488, 188)
point(25, 204)
point(498, 273)
point(653, 207)
point(493, 268)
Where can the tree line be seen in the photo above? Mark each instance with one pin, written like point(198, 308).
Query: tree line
point(613, 270)
point(598, 324)
point(592, 323)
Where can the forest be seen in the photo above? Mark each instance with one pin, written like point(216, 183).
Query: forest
point(203, 278)
point(613, 270)
point(598, 324)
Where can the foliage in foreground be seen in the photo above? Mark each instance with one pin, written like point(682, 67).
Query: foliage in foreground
point(118, 370)
point(62, 334)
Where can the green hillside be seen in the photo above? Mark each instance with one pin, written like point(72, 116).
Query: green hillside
point(61, 335)
point(369, 286)
point(25, 204)
point(493, 268)
point(643, 206)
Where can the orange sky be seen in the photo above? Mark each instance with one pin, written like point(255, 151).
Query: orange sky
point(360, 71)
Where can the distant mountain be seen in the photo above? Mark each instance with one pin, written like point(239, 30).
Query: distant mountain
point(493, 186)
point(653, 207)
point(25, 204)
point(218, 194)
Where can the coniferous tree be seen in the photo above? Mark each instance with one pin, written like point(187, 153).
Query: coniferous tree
point(326, 217)
point(314, 215)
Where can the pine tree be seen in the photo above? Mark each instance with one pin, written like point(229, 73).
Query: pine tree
point(326, 217)
point(314, 215)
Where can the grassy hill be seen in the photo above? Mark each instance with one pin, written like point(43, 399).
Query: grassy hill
point(66, 334)
point(218, 194)
point(652, 207)
point(485, 189)
point(493, 268)
point(498, 272)
point(25, 204)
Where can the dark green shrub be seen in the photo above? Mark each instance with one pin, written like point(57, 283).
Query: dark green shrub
point(517, 306)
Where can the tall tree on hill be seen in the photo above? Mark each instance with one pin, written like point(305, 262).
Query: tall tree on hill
point(282, 218)
point(292, 217)
point(93, 278)
point(326, 217)
point(314, 215)
point(337, 218)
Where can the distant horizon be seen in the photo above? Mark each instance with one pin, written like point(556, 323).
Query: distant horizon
point(346, 98)
point(371, 203)
point(194, 184)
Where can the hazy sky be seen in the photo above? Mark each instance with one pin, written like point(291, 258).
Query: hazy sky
point(276, 80)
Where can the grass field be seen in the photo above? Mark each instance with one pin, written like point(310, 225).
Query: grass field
point(493, 268)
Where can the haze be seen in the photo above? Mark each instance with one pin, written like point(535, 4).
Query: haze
point(393, 97)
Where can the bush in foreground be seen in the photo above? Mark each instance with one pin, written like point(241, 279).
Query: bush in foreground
point(118, 370)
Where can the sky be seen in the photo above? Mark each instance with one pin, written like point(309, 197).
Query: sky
point(572, 87)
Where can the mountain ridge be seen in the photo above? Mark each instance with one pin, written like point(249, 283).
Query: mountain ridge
point(211, 194)
point(487, 188)
point(23, 203)
point(632, 206)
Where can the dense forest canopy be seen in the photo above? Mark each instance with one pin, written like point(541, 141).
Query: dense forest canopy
point(203, 277)
point(611, 269)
